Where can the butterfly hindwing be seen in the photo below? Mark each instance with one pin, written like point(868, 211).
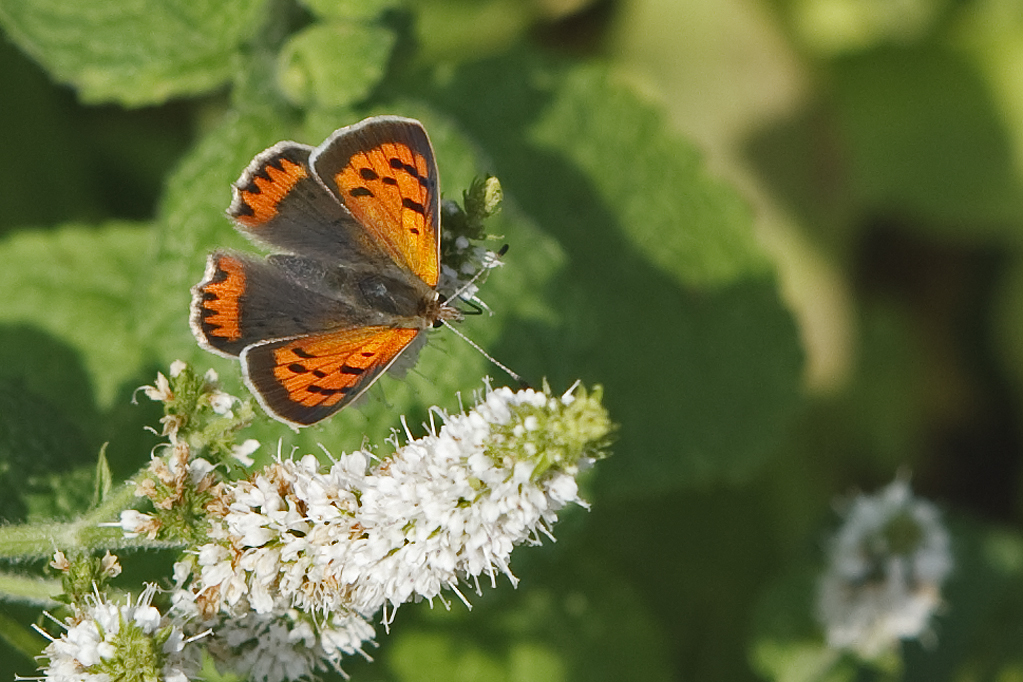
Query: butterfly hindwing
point(383, 171)
point(243, 300)
point(279, 201)
point(306, 379)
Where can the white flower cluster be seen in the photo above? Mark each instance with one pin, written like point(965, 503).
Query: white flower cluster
point(105, 641)
point(287, 646)
point(887, 566)
point(473, 259)
point(327, 550)
point(221, 403)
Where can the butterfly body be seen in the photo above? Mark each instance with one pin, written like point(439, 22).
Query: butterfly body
point(356, 222)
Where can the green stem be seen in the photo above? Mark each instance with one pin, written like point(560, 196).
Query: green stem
point(20, 638)
point(39, 540)
point(29, 590)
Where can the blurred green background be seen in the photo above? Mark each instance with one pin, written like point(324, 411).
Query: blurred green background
point(783, 235)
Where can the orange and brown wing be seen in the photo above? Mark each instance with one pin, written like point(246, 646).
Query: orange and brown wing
point(383, 171)
point(216, 304)
point(274, 180)
point(242, 300)
point(303, 380)
point(278, 201)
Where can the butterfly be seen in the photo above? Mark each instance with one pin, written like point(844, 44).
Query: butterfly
point(356, 223)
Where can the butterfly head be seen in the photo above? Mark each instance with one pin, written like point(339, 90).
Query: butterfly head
point(438, 311)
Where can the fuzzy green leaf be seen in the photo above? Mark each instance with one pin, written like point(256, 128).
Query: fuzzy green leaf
point(923, 138)
point(38, 445)
point(350, 9)
point(664, 202)
point(541, 634)
point(333, 65)
point(134, 52)
point(661, 293)
point(79, 284)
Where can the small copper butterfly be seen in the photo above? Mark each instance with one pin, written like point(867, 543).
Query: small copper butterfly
point(357, 222)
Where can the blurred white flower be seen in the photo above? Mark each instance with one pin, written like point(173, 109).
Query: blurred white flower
point(886, 567)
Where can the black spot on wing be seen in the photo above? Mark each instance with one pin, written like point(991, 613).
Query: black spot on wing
point(321, 390)
point(398, 164)
point(243, 208)
point(413, 206)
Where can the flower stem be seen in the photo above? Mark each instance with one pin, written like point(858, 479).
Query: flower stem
point(39, 540)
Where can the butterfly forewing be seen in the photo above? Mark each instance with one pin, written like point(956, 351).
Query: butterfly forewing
point(306, 379)
point(384, 172)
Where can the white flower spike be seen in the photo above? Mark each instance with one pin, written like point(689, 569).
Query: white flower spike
point(322, 552)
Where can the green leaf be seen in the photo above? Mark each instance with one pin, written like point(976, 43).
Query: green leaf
point(666, 205)
point(102, 479)
point(659, 292)
point(1008, 322)
point(922, 138)
point(38, 444)
point(787, 644)
point(79, 284)
point(20, 637)
point(350, 9)
point(444, 657)
point(451, 30)
point(589, 624)
point(47, 140)
point(134, 52)
point(333, 65)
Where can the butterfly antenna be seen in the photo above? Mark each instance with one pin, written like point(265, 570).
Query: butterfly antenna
point(514, 375)
point(488, 356)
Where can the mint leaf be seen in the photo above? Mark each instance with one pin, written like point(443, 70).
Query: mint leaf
point(660, 292)
point(350, 9)
point(135, 52)
point(38, 444)
point(79, 284)
point(665, 204)
point(552, 632)
point(333, 65)
point(922, 137)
